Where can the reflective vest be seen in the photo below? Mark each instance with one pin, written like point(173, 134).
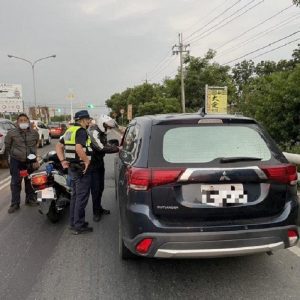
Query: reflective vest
point(70, 145)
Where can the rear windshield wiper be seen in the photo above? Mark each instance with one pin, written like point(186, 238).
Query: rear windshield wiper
point(238, 158)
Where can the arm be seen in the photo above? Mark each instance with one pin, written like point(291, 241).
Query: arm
point(82, 155)
point(100, 146)
point(59, 148)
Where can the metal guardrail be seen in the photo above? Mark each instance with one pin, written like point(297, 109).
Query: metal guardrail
point(292, 158)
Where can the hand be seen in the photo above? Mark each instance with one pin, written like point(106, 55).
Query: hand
point(86, 165)
point(65, 164)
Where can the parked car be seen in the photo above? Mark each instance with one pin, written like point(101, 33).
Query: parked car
point(196, 185)
point(43, 131)
point(57, 129)
point(5, 126)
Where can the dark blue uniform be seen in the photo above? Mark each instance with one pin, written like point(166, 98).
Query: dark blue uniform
point(81, 185)
point(100, 148)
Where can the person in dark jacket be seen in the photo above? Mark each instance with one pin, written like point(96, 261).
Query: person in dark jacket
point(19, 143)
point(98, 134)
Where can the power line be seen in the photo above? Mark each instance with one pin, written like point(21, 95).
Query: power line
point(206, 16)
point(261, 34)
point(220, 22)
point(162, 69)
point(252, 28)
point(208, 23)
point(284, 45)
point(168, 54)
point(266, 46)
point(222, 25)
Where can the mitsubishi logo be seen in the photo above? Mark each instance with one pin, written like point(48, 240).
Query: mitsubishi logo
point(224, 177)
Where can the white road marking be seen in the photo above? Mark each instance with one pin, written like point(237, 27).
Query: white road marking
point(5, 183)
point(5, 180)
point(295, 250)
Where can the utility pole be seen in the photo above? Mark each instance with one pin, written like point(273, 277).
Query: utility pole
point(180, 49)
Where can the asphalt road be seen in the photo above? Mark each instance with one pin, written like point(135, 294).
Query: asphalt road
point(39, 260)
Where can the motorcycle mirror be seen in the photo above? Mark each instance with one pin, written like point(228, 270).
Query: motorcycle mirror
point(51, 153)
point(31, 157)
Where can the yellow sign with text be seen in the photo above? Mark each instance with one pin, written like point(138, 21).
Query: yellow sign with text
point(216, 100)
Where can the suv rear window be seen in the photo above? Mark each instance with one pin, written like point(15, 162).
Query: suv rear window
point(206, 143)
point(197, 144)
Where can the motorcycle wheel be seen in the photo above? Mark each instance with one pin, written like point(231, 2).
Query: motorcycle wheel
point(53, 215)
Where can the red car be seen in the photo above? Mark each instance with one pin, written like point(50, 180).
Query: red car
point(57, 130)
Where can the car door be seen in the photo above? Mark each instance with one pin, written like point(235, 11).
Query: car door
point(44, 129)
point(127, 156)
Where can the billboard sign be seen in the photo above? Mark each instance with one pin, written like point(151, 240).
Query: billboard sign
point(11, 98)
point(129, 112)
point(215, 100)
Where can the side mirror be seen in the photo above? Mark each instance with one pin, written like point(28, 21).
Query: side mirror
point(31, 157)
point(114, 142)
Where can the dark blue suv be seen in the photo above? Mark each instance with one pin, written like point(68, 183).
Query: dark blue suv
point(192, 185)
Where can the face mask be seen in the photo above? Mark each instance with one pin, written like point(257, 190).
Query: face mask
point(108, 131)
point(24, 125)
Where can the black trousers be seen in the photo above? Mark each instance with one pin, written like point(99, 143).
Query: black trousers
point(81, 187)
point(97, 187)
point(16, 182)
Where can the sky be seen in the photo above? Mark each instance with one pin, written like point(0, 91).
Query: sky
point(104, 46)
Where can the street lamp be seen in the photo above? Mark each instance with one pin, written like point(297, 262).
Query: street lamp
point(32, 67)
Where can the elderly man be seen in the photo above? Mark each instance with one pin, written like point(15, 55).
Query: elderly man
point(20, 142)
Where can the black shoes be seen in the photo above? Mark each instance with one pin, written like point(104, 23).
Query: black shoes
point(97, 216)
point(104, 211)
point(82, 230)
point(86, 224)
point(13, 208)
point(31, 203)
point(31, 200)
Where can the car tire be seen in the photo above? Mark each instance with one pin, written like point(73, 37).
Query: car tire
point(48, 142)
point(42, 142)
point(124, 252)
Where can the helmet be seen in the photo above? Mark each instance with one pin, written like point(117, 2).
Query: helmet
point(108, 121)
point(82, 114)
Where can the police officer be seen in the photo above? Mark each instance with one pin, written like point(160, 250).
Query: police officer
point(74, 152)
point(98, 134)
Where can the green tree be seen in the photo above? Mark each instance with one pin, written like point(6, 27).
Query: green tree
point(202, 71)
point(274, 100)
point(243, 73)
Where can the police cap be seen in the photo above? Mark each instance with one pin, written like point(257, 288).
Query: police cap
point(82, 114)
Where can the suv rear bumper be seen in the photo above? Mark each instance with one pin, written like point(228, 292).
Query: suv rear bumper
point(214, 244)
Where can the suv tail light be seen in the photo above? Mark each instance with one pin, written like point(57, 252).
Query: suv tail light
point(284, 174)
point(141, 179)
point(144, 245)
point(293, 237)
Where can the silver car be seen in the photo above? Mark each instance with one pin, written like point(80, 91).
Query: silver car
point(5, 126)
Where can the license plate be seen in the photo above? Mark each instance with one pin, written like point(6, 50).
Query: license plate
point(220, 195)
point(47, 193)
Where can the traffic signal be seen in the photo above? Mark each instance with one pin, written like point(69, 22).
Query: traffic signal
point(91, 106)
